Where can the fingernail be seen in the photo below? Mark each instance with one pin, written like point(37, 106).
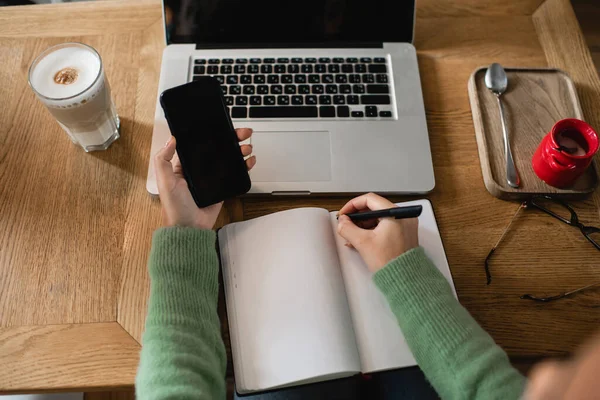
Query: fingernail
point(168, 141)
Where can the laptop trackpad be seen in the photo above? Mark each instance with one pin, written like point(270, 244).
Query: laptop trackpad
point(291, 156)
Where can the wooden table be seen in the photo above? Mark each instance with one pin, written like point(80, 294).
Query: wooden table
point(75, 228)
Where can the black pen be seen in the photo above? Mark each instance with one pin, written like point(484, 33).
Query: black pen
point(396, 212)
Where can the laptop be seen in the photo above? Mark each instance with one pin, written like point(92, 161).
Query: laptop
point(331, 89)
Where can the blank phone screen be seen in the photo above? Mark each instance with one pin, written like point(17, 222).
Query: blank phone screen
point(207, 145)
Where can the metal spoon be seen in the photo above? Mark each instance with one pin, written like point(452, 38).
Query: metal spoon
point(497, 82)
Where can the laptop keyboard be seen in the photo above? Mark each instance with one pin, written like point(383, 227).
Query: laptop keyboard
point(322, 87)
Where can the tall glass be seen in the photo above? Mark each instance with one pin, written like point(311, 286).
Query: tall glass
point(69, 80)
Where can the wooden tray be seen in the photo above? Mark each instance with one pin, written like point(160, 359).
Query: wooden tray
point(534, 101)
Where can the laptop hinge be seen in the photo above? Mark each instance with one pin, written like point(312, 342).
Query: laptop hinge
point(312, 45)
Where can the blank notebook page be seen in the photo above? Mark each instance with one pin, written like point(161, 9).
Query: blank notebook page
point(289, 318)
point(380, 341)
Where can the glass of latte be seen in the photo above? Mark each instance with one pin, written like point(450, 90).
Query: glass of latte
point(69, 80)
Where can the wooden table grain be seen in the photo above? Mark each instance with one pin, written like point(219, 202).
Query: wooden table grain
point(75, 228)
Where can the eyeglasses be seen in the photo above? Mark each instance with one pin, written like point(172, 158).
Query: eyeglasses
point(562, 212)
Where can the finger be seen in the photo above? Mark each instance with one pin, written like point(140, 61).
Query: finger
point(352, 233)
point(369, 201)
point(163, 166)
point(367, 224)
point(243, 133)
point(246, 149)
point(251, 162)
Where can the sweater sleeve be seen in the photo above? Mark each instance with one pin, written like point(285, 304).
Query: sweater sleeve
point(183, 356)
point(456, 355)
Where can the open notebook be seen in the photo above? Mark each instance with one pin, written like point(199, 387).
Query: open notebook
point(302, 307)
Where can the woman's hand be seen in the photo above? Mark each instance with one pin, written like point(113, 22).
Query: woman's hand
point(377, 241)
point(179, 208)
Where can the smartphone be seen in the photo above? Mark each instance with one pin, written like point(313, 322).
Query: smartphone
point(207, 145)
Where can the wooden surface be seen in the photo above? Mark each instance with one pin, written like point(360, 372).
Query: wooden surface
point(75, 228)
point(534, 101)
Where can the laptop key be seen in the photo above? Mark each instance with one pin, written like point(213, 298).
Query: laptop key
point(378, 89)
point(320, 68)
point(235, 89)
point(283, 60)
point(327, 112)
point(371, 111)
point(199, 69)
point(253, 69)
point(300, 79)
point(259, 79)
point(255, 100)
point(360, 68)
point(229, 100)
point(352, 99)
point(324, 99)
point(241, 61)
point(365, 60)
point(381, 78)
point(355, 78)
point(255, 61)
point(375, 99)
point(343, 111)
point(224, 89)
point(368, 78)
point(385, 114)
point(239, 112)
point(269, 61)
point(377, 68)
point(266, 69)
point(200, 61)
point(339, 99)
point(352, 60)
point(327, 78)
point(276, 89)
point(347, 68)
point(273, 79)
point(212, 69)
point(283, 100)
point(358, 114)
point(241, 100)
point(284, 112)
point(314, 79)
point(297, 60)
point(287, 78)
point(297, 100)
point(359, 89)
point(331, 89)
point(318, 89)
point(311, 99)
point(227, 61)
point(333, 68)
point(310, 60)
point(304, 89)
point(262, 89)
point(341, 78)
point(279, 69)
point(196, 78)
point(324, 60)
point(379, 60)
point(232, 79)
point(290, 89)
point(269, 100)
point(307, 68)
point(220, 78)
point(249, 89)
point(239, 69)
point(293, 69)
point(338, 60)
point(345, 89)
point(245, 79)
point(214, 61)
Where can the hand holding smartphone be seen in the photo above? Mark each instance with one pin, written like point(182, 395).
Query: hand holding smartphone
point(207, 145)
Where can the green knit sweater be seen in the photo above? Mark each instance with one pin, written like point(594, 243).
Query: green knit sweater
point(183, 356)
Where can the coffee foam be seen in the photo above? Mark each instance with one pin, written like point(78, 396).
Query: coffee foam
point(67, 72)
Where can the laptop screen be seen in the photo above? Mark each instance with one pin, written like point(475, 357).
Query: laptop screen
point(280, 23)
